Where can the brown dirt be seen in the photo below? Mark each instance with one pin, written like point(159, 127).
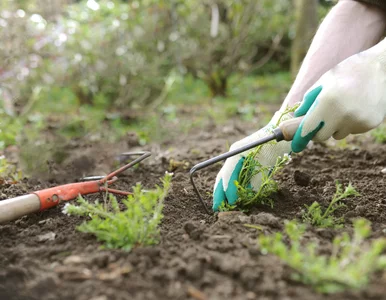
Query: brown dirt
point(199, 256)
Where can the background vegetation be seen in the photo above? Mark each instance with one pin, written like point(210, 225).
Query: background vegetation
point(98, 69)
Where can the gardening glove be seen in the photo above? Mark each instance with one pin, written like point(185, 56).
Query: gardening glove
point(348, 99)
point(225, 188)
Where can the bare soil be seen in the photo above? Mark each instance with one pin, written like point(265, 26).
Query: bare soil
point(200, 256)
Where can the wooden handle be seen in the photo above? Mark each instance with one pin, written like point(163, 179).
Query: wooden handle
point(14, 208)
point(289, 127)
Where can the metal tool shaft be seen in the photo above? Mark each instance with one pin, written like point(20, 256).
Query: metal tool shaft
point(226, 155)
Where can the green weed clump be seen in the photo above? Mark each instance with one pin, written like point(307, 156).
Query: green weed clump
point(350, 265)
point(248, 196)
point(251, 168)
point(137, 224)
point(315, 216)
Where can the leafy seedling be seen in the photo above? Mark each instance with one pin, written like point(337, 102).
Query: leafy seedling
point(315, 215)
point(135, 225)
point(350, 265)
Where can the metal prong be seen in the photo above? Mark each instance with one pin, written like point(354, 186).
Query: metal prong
point(90, 178)
point(144, 154)
point(103, 179)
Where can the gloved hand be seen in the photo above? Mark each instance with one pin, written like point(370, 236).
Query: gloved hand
point(225, 189)
point(348, 99)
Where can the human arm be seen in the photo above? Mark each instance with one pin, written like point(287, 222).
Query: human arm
point(349, 28)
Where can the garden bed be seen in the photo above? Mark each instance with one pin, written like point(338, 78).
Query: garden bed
point(199, 257)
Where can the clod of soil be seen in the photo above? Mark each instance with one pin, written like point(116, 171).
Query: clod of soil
point(301, 178)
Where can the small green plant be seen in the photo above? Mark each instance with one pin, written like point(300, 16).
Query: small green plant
point(9, 172)
point(136, 225)
point(10, 128)
point(379, 134)
point(225, 206)
point(315, 216)
point(349, 266)
point(252, 167)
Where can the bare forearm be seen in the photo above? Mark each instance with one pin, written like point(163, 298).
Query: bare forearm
point(349, 28)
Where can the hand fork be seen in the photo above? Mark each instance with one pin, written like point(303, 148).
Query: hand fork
point(14, 208)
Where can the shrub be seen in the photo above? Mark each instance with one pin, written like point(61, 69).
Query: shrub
point(216, 39)
point(112, 53)
point(107, 53)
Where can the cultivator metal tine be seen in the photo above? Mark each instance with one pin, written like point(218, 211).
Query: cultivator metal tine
point(112, 177)
point(122, 157)
point(11, 209)
point(143, 155)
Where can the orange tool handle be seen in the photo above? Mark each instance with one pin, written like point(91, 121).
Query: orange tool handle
point(53, 196)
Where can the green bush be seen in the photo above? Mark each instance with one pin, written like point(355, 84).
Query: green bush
point(244, 38)
point(113, 52)
point(121, 53)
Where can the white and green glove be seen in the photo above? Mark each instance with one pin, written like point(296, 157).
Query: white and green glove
point(348, 99)
point(225, 189)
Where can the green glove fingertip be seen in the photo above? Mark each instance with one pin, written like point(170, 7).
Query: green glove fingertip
point(218, 196)
point(231, 191)
point(299, 143)
point(309, 99)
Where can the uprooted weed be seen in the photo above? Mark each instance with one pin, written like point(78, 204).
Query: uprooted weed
point(247, 196)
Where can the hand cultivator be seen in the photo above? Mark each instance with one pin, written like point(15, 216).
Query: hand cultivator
point(15, 208)
point(285, 132)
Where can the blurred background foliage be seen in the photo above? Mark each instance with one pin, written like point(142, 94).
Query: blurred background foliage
point(74, 66)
